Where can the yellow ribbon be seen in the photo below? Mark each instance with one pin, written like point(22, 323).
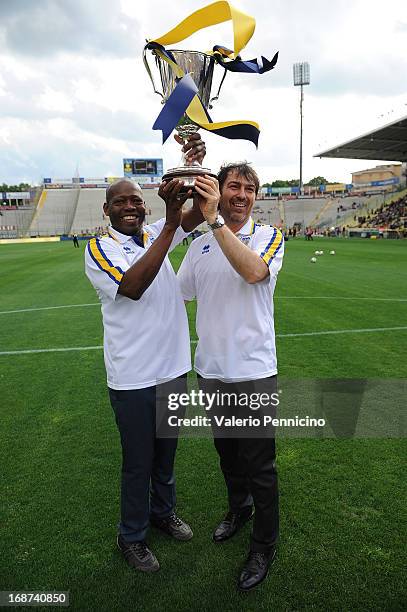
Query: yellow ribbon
point(218, 12)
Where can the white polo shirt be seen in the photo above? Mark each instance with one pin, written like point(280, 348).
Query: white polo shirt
point(146, 341)
point(234, 320)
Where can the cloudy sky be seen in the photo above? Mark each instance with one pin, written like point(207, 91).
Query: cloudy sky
point(74, 93)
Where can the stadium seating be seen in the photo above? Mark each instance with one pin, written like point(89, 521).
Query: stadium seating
point(89, 217)
point(80, 211)
point(55, 212)
point(14, 223)
point(311, 211)
point(393, 216)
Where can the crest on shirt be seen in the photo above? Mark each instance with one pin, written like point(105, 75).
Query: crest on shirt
point(127, 249)
point(244, 238)
point(205, 249)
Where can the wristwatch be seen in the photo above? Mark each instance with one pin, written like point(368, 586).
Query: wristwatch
point(219, 222)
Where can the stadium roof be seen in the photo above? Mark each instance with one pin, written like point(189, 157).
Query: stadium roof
point(386, 143)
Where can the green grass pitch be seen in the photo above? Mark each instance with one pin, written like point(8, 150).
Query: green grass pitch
point(342, 501)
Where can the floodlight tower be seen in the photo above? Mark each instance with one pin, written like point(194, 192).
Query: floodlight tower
point(301, 76)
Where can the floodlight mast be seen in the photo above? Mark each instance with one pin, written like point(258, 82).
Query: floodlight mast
point(301, 75)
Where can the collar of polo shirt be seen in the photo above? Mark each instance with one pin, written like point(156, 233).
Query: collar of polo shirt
point(247, 229)
point(122, 238)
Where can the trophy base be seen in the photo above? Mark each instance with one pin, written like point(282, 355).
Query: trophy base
point(187, 174)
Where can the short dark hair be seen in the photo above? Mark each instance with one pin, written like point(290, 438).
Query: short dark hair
point(242, 169)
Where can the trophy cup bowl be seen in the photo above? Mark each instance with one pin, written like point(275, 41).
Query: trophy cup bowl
point(200, 67)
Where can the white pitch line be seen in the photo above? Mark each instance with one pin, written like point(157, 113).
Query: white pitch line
point(316, 333)
point(53, 350)
point(342, 331)
point(48, 308)
point(332, 297)
point(277, 297)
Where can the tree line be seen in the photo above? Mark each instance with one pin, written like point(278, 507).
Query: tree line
point(15, 188)
point(315, 182)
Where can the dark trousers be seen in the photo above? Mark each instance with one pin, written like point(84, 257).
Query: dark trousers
point(147, 478)
point(249, 467)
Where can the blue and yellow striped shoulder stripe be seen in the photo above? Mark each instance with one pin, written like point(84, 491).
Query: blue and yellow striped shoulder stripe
point(273, 246)
point(103, 262)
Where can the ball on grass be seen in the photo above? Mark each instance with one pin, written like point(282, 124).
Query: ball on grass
point(313, 259)
point(332, 252)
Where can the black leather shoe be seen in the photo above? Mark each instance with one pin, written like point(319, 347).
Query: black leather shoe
point(255, 569)
point(231, 525)
point(173, 526)
point(138, 555)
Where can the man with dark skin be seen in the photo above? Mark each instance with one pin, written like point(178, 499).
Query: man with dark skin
point(129, 219)
point(146, 349)
point(126, 209)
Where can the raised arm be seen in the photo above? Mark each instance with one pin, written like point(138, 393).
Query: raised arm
point(246, 262)
point(142, 273)
point(195, 150)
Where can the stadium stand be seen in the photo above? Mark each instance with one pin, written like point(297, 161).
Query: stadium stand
point(55, 212)
point(313, 212)
point(89, 217)
point(390, 217)
point(154, 205)
point(14, 223)
point(345, 212)
point(67, 211)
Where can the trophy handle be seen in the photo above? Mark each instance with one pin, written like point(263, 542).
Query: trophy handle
point(220, 87)
point(146, 64)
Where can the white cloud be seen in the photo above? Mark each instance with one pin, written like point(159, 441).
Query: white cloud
point(53, 100)
point(73, 89)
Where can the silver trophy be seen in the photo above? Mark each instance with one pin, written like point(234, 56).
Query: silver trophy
point(200, 66)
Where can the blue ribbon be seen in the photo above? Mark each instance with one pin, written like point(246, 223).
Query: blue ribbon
point(186, 89)
point(238, 65)
point(164, 51)
point(175, 106)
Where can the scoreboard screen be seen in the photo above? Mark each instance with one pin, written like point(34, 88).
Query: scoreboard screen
point(147, 170)
point(144, 166)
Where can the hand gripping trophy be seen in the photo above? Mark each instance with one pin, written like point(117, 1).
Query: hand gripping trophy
point(186, 79)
